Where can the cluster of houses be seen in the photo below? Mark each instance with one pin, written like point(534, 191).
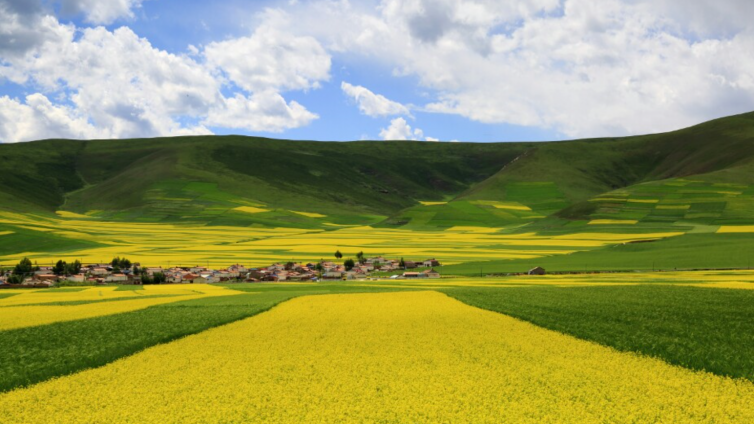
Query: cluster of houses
point(292, 271)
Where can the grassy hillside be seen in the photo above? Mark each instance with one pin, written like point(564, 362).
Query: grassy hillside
point(242, 180)
point(695, 182)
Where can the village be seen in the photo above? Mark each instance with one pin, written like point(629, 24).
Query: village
point(122, 271)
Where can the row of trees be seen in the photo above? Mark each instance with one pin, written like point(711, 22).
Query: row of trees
point(25, 268)
point(63, 268)
point(120, 263)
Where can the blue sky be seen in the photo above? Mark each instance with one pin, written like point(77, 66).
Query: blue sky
point(466, 70)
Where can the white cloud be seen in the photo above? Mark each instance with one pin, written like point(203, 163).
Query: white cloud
point(114, 84)
point(399, 129)
point(271, 59)
point(100, 11)
point(24, 26)
point(265, 111)
point(371, 104)
point(38, 118)
point(120, 82)
point(580, 67)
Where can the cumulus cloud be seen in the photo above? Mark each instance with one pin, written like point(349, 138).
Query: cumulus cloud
point(371, 104)
point(271, 58)
point(24, 25)
point(399, 129)
point(37, 118)
point(265, 111)
point(115, 84)
point(100, 11)
point(579, 67)
point(120, 82)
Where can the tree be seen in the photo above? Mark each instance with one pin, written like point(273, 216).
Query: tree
point(73, 268)
point(159, 278)
point(15, 279)
point(288, 266)
point(24, 268)
point(377, 264)
point(402, 264)
point(361, 258)
point(338, 255)
point(349, 264)
point(59, 268)
point(121, 263)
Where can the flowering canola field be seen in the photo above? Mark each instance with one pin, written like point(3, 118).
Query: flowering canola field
point(13, 316)
point(172, 244)
point(389, 357)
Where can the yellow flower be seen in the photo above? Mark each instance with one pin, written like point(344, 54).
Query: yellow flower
point(392, 357)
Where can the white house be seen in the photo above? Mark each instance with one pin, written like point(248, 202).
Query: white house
point(116, 278)
point(78, 278)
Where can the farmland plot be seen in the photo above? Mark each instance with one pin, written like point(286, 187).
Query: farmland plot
point(403, 357)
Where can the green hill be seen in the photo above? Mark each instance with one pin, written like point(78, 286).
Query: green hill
point(693, 181)
point(205, 179)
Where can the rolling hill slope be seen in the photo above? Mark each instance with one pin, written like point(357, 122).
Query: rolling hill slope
point(697, 182)
point(241, 180)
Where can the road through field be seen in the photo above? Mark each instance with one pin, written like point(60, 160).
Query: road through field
point(404, 357)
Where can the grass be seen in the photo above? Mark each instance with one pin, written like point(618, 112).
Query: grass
point(697, 328)
point(690, 251)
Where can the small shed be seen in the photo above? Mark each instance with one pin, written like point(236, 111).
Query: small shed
point(537, 271)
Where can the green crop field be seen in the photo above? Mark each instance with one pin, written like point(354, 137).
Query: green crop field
point(700, 328)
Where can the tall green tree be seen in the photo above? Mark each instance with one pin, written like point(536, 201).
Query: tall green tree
point(338, 255)
point(25, 268)
point(59, 268)
point(349, 264)
point(73, 268)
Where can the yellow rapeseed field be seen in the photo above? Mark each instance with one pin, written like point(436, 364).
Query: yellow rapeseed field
point(613, 221)
point(12, 317)
point(217, 246)
point(392, 357)
point(736, 229)
point(250, 209)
